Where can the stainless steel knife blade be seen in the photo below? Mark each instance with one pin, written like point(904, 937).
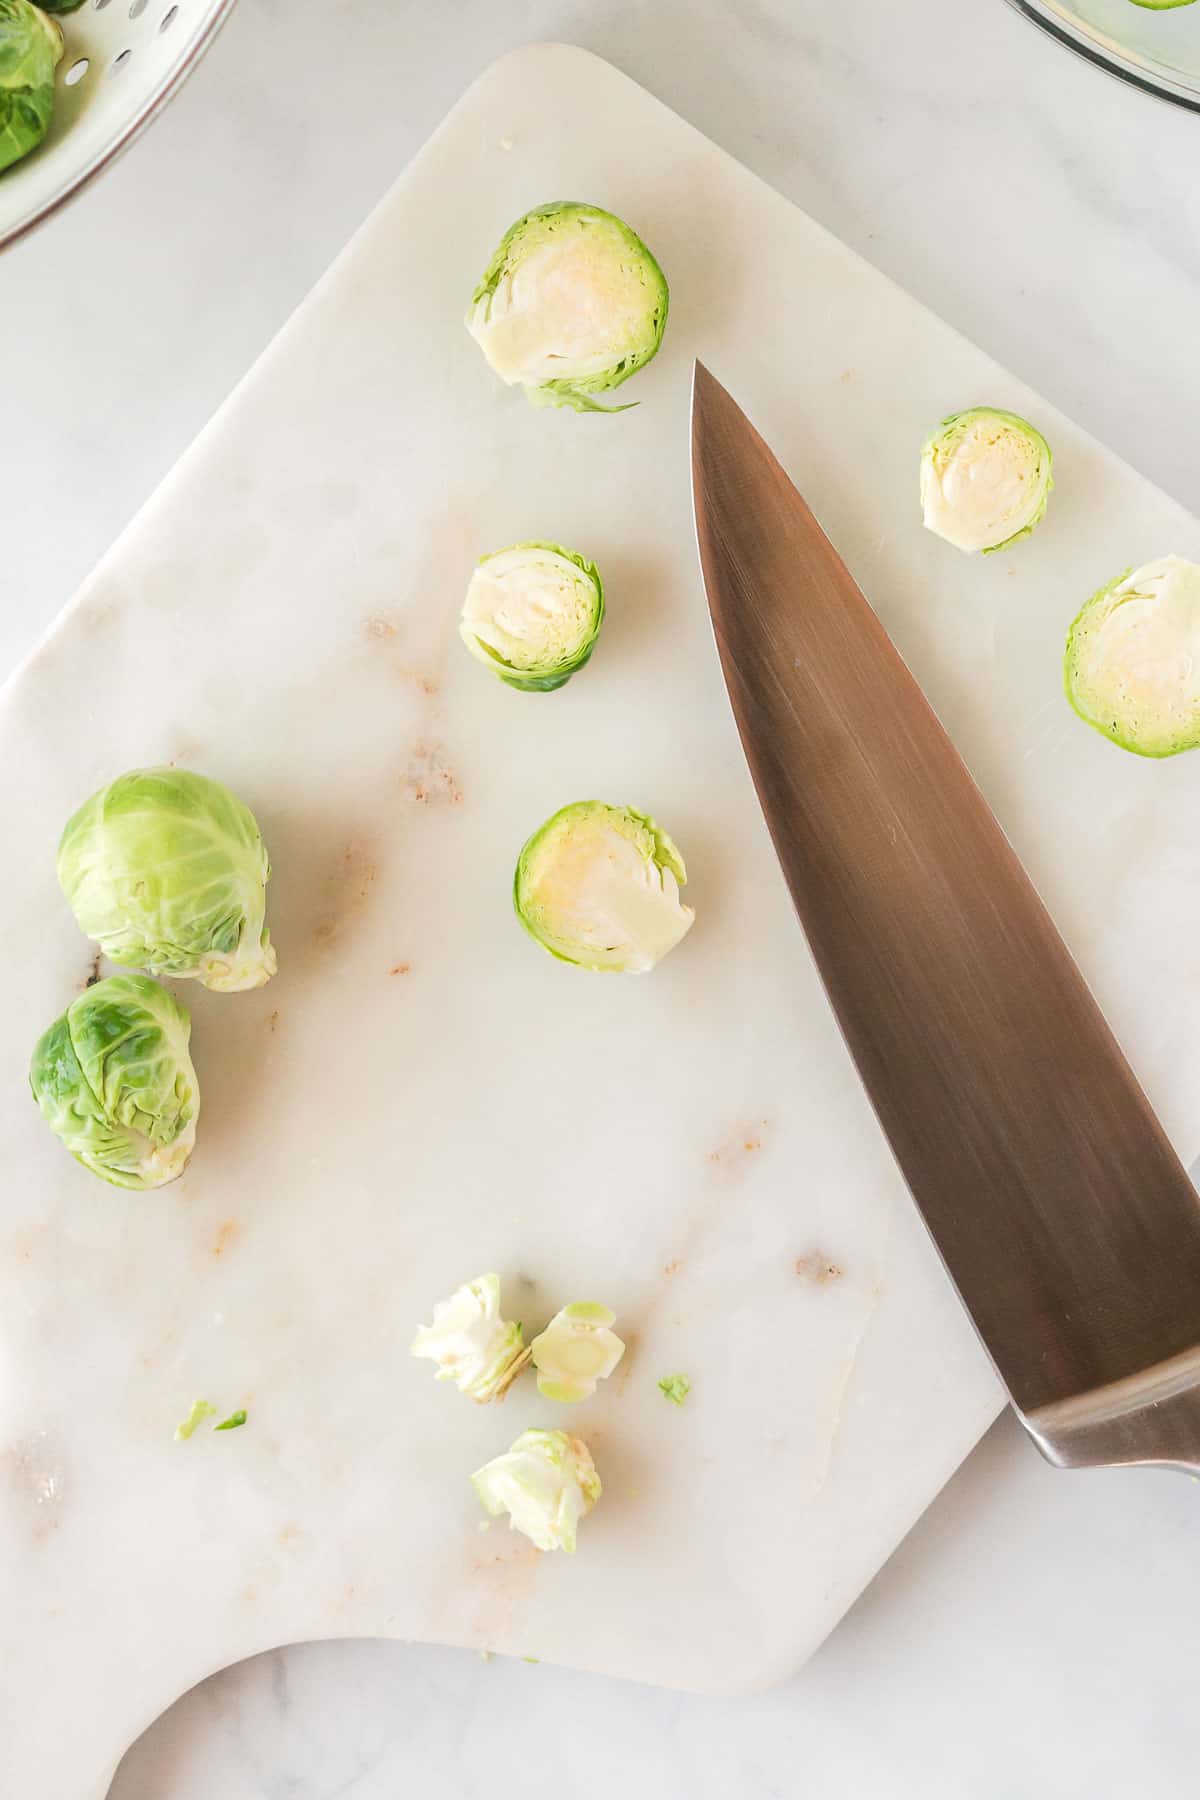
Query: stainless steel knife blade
point(1064, 1217)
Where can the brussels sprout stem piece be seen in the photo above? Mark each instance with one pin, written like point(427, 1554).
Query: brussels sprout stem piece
point(571, 305)
point(167, 870)
point(598, 886)
point(985, 479)
point(1132, 665)
point(576, 1350)
point(533, 613)
point(114, 1080)
point(201, 1410)
point(481, 1353)
point(546, 1483)
point(675, 1388)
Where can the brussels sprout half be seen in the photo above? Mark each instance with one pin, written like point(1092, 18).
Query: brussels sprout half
point(1132, 666)
point(576, 1350)
point(533, 613)
point(115, 1082)
point(167, 870)
point(31, 48)
point(481, 1353)
point(598, 886)
point(985, 479)
point(571, 305)
point(546, 1483)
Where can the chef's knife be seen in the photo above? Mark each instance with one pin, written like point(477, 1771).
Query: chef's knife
point(1064, 1217)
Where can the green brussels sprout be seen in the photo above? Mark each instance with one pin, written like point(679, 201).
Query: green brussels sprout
point(1132, 666)
point(31, 48)
point(985, 479)
point(481, 1353)
point(1162, 5)
point(533, 613)
point(546, 1483)
point(598, 886)
point(576, 1350)
point(115, 1082)
point(168, 872)
point(571, 305)
point(60, 6)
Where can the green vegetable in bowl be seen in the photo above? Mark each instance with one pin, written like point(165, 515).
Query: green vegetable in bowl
point(481, 1353)
point(31, 48)
point(115, 1082)
point(167, 870)
point(546, 1483)
point(1162, 5)
point(1132, 667)
point(533, 613)
point(571, 305)
point(577, 1349)
point(60, 6)
point(598, 886)
point(985, 479)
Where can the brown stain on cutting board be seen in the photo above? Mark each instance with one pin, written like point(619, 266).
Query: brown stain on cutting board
point(227, 1234)
point(429, 779)
point(817, 1268)
point(348, 887)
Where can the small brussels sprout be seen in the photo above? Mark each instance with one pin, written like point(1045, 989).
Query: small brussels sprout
point(114, 1080)
point(985, 479)
point(1132, 666)
point(60, 6)
point(31, 48)
point(546, 1483)
point(571, 305)
point(481, 1353)
point(168, 872)
point(576, 1350)
point(532, 614)
point(598, 886)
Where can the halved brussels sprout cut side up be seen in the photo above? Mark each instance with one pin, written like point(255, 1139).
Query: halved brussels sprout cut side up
point(167, 870)
point(115, 1082)
point(533, 613)
point(577, 1349)
point(31, 48)
point(481, 1353)
point(1132, 667)
point(546, 1483)
point(598, 886)
point(985, 479)
point(571, 305)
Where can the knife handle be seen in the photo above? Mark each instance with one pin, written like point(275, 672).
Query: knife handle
point(1150, 1419)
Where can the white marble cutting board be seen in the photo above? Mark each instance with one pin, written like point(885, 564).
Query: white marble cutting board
point(420, 1095)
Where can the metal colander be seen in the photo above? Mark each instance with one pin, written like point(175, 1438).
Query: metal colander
point(124, 60)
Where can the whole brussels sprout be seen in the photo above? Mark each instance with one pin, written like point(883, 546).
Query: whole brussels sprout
point(115, 1082)
point(167, 870)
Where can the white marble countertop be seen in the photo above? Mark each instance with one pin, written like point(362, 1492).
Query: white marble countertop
point(1037, 1633)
